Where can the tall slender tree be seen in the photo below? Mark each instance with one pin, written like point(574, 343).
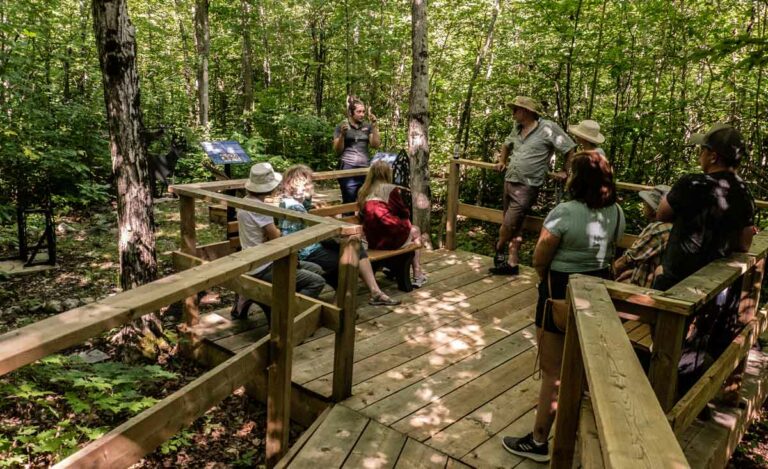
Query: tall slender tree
point(203, 42)
point(116, 45)
point(418, 117)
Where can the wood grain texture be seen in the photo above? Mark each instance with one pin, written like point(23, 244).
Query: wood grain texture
point(632, 426)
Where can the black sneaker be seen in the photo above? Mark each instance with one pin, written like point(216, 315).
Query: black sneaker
point(505, 269)
point(526, 448)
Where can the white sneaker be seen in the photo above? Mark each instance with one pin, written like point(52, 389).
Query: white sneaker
point(419, 281)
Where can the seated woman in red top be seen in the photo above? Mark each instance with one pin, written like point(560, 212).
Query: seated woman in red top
point(385, 217)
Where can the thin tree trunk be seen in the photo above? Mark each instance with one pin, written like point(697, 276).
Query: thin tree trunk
point(187, 68)
point(203, 42)
point(116, 44)
point(266, 64)
point(247, 64)
point(347, 52)
point(418, 118)
point(569, 66)
point(465, 113)
point(598, 64)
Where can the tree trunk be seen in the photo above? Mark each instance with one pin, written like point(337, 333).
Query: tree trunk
point(187, 69)
point(116, 45)
point(418, 118)
point(247, 65)
point(598, 64)
point(465, 113)
point(568, 68)
point(266, 64)
point(203, 42)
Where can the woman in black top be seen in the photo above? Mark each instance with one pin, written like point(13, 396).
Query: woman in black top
point(351, 140)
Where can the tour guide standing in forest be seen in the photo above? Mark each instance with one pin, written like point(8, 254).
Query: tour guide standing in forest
point(531, 145)
point(351, 140)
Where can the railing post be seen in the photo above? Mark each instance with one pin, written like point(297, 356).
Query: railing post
point(570, 394)
point(191, 306)
point(452, 204)
point(280, 355)
point(667, 347)
point(346, 299)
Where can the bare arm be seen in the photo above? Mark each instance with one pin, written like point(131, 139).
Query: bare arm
point(503, 158)
point(271, 232)
point(374, 140)
point(665, 212)
point(338, 141)
point(546, 247)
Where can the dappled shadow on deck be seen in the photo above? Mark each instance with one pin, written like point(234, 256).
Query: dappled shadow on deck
point(451, 367)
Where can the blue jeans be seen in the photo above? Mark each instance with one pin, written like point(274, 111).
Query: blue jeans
point(349, 186)
point(309, 282)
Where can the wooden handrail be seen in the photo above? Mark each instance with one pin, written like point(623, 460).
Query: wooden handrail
point(632, 427)
point(27, 344)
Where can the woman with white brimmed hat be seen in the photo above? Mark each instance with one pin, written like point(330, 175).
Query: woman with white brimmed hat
point(587, 135)
point(256, 228)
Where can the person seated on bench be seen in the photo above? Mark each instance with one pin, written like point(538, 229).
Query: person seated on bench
point(385, 217)
point(713, 216)
point(578, 236)
point(639, 264)
point(296, 194)
point(255, 228)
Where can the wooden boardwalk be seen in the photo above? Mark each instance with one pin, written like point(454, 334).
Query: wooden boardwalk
point(437, 380)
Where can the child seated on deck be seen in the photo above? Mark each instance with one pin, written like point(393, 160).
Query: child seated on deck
point(385, 217)
point(297, 190)
point(256, 228)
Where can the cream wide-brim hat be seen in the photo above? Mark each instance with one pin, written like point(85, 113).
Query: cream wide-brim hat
point(589, 130)
point(263, 179)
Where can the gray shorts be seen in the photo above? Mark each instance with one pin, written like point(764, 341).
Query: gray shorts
point(517, 202)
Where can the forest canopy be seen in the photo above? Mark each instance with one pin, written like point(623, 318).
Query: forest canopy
point(651, 72)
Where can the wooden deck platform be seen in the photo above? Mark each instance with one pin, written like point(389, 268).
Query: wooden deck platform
point(445, 375)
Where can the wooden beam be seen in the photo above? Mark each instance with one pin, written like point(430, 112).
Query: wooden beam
point(29, 343)
point(254, 205)
point(632, 427)
point(648, 297)
point(452, 205)
point(589, 441)
point(261, 291)
point(569, 396)
point(191, 307)
point(667, 348)
point(143, 433)
point(213, 251)
point(707, 387)
point(332, 210)
point(346, 298)
point(337, 174)
point(710, 280)
point(280, 358)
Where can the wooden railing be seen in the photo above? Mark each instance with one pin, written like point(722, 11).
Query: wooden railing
point(265, 365)
point(625, 419)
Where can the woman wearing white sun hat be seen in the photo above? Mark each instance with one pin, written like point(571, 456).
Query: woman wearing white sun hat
point(587, 135)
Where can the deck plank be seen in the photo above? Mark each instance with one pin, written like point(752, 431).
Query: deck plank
point(418, 456)
point(472, 430)
point(491, 454)
point(333, 441)
point(405, 324)
point(378, 447)
point(413, 371)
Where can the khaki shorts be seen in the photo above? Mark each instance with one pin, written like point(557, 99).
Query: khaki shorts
point(517, 202)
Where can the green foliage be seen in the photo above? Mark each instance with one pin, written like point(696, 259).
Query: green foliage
point(72, 401)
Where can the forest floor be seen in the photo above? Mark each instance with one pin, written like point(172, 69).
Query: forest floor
point(52, 408)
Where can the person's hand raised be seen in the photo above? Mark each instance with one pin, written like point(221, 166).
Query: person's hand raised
point(371, 116)
point(344, 127)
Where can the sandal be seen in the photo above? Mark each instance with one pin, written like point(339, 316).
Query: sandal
point(381, 299)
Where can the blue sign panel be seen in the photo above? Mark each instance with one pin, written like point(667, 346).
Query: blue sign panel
point(225, 152)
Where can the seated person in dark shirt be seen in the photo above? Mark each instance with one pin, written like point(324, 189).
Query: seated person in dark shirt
point(712, 216)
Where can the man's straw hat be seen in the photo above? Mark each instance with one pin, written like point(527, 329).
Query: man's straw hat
point(528, 103)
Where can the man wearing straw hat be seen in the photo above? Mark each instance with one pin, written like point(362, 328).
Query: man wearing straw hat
point(525, 155)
